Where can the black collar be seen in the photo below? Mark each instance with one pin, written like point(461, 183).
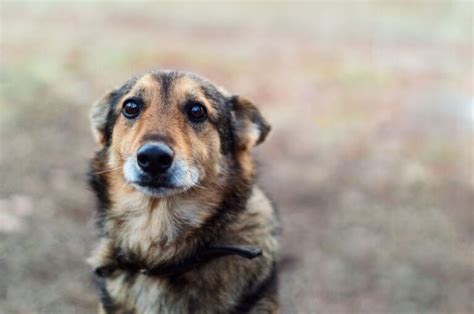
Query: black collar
point(166, 270)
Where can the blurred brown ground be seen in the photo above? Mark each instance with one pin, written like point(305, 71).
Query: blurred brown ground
point(370, 160)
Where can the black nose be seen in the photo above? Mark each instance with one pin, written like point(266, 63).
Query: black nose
point(154, 158)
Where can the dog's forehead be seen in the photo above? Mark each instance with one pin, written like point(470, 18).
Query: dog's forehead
point(166, 85)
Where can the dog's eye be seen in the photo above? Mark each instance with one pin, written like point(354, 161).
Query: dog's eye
point(131, 109)
point(197, 112)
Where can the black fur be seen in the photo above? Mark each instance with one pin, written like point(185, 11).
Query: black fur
point(226, 135)
point(233, 202)
point(108, 304)
point(98, 183)
point(166, 80)
point(105, 298)
point(243, 107)
point(254, 294)
point(113, 99)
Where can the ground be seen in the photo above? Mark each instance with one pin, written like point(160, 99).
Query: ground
point(370, 159)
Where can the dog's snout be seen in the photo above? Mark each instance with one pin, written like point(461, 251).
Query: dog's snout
point(155, 158)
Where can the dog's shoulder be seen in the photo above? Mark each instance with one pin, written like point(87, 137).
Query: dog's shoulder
point(259, 219)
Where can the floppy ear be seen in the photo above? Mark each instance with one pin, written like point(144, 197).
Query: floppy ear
point(99, 115)
point(250, 127)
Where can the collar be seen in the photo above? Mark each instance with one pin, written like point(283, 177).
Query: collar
point(200, 257)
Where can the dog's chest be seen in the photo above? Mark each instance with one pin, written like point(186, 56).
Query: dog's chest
point(150, 229)
point(139, 293)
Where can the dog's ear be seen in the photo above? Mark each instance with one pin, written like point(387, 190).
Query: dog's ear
point(99, 114)
point(249, 125)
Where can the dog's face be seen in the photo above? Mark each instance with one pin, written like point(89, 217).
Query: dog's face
point(170, 131)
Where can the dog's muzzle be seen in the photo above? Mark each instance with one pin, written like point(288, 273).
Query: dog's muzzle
point(157, 170)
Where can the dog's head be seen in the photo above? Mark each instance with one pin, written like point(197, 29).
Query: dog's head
point(172, 131)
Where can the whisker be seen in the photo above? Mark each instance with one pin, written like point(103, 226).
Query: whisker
point(200, 186)
point(107, 170)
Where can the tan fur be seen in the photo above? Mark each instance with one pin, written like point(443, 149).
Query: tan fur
point(164, 230)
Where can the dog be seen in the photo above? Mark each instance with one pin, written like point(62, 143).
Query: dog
point(183, 228)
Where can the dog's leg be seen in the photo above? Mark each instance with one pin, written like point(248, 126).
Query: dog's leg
point(103, 255)
point(266, 305)
point(101, 309)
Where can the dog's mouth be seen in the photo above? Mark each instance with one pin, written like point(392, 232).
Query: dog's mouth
point(156, 189)
point(155, 186)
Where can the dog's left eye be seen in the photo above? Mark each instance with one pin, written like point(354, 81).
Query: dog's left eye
point(131, 109)
point(197, 112)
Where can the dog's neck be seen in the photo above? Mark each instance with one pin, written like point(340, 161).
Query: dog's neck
point(151, 229)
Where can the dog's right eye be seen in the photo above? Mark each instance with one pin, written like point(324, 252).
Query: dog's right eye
point(131, 109)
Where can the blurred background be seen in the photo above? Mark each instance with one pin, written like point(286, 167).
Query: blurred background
point(370, 158)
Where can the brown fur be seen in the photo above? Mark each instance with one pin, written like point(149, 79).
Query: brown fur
point(223, 206)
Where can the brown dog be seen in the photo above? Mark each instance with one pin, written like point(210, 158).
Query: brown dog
point(183, 227)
